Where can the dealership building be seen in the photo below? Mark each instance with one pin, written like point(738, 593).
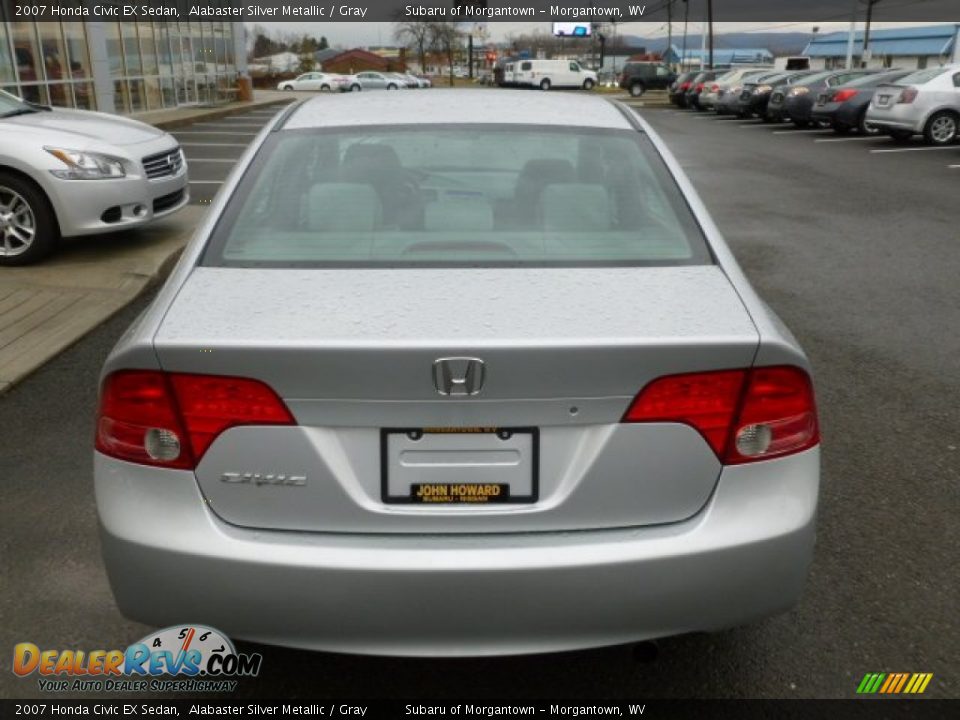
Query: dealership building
point(119, 66)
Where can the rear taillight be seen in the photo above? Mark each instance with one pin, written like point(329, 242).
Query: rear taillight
point(843, 95)
point(714, 88)
point(744, 415)
point(684, 86)
point(170, 419)
point(698, 88)
point(908, 96)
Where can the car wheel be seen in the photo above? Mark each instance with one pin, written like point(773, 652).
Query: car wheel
point(841, 129)
point(865, 127)
point(287, 88)
point(324, 88)
point(355, 88)
point(28, 231)
point(942, 128)
point(391, 86)
point(588, 84)
point(637, 89)
point(545, 84)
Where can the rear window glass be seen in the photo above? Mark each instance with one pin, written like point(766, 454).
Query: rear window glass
point(457, 195)
point(922, 76)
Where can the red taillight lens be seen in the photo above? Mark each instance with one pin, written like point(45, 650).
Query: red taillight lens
point(685, 86)
point(698, 88)
point(908, 96)
point(714, 88)
point(744, 415)
point(843, 95)
point(170, 419)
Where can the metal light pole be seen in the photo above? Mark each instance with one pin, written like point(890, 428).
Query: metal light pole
point(686, 20)
point(853, 31)
point(710, 28)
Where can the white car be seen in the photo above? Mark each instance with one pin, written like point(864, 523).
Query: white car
point(547, 74)
point(926, 103)
point(324, 82)
point(716, 89)
point(71, 172)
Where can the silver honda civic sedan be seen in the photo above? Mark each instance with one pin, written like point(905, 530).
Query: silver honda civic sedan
point(513, 396)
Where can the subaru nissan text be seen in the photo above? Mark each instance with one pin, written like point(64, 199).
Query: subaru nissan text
point(514, 396)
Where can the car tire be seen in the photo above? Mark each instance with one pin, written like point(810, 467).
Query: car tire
point(287, 88)
point(588, 84)
point(324, 88)
point(391, 86)
point(545, 84)
point(637, 89)
point(943, 128)
point(21, 196)
point(841, 129)
point(355, 88)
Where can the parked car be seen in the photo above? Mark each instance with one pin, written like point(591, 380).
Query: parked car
point(65, 173)
point(696, 87)
point(713, 91)
point(324, 82)
point(677, 92)
point(371, 80)
point(328, 458)
point(638, 77)
point(795, 101)
point(844, 108)
point(547, 74)
point(729, 101)
point(755, 95)
point(926, 103)
point(405, 81)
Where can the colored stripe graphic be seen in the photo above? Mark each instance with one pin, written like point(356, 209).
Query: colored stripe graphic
point(894, 683)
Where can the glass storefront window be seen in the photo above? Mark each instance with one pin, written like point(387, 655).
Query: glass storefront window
point(137, 92)
point(114, 49)
point(6, 58)
point(52, 51)
point(167, 90)
point(121, 96)
point(164, 52)
point(78, 56)
point(154, 99)
point(26, 51)
point(131, 48)
point(84, 96)
point(148, 48)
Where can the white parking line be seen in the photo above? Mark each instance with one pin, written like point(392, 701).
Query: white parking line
point(954, 167)
point(914, 149)
point(213, 132)
point(206, 144)
point(872, 138)
point(757, 124)
point(206, 182)
point(801, 132)
point(217, 160)
point(226, 125)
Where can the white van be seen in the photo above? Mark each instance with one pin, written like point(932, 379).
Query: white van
point(546, 74)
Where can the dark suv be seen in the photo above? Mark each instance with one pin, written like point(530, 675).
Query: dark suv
point(638, 77)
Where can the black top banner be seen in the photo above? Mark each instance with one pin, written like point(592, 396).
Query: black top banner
point(487, 11)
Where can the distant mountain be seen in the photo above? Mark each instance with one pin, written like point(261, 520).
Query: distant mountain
point(791, 43)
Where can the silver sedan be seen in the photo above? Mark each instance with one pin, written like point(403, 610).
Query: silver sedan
point(514, 396)
point(65, 173)
point(925, 103)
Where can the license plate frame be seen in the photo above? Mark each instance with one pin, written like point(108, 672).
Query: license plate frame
point(408, 497)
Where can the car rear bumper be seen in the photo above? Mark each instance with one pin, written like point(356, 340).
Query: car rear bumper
point(897, 117)
point(743, 557)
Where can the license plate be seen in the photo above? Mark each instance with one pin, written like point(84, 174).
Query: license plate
point(822, 100)
point(459, 466)
point(883, 100)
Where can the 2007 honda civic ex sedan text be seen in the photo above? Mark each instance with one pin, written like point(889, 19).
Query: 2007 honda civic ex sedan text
point(429, 384)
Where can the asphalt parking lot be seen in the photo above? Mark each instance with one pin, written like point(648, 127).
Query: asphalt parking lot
point(212, 148)
point(853, 243)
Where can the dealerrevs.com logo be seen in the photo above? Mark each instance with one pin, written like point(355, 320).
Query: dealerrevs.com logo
point(181, 658)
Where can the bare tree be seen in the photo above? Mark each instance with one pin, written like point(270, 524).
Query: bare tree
point(445, 40)
point(415, 35)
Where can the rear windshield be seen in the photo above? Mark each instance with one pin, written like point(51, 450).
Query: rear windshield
point(487, 195)
point(923, 76)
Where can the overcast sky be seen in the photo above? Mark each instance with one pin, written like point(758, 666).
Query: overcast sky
point(351, 34)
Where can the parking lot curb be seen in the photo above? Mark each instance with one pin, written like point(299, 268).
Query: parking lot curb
point(45, 309)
